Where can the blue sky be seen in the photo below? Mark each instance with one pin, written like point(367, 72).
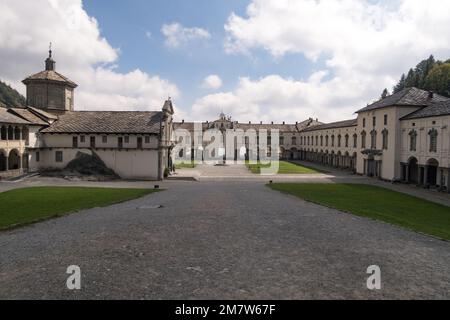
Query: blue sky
point(126, 23)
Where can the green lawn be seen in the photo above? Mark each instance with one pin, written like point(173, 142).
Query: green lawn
point(285, 167)
point(185, 165)
point(24, 206)
point(377, 203)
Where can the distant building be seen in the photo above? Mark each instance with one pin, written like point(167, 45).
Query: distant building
point(404, 137)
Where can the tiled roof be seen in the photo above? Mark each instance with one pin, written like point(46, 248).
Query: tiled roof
point(8, 117)
point(28, 115)
point(256, 126)
point(406, 97)
point(50, 75)
point(334, 125)
point(434, 110)
point(120, 122)
point(43, 114)
point(259, 126)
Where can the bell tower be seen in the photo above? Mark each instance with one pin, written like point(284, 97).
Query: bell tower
point(49, 90)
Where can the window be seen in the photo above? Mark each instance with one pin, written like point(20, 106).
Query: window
point(59, 156)
point(413, 140)
point(332, 141)
point(147, 139)
point(317, 140)
point(385, 139)
point(38, 156)
point(363, 140)
point(433, 140)
point(120, 142)
point(321, 141)
point(364, 122)
point(373, 139)
point(294, 141)
point(385, 119)
point(339, 141)
point(139, 142)
point(82, 139)
point(127, 139)
point(326, 141)
point(355, 141)
point(92, 142)
point(347, 138)
point(75, 142)
point(374, 121)
point(104, 139)
point(281, 140)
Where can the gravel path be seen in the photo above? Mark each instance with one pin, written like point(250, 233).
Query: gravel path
point(220, 240)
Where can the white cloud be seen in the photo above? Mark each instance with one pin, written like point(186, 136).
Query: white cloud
point(26, 28)
point(177, 35)
point(148, 35)
point(366, 46)
point(212, 82)
point(274, 98)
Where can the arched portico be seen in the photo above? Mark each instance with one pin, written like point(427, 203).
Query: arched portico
point(432, 172)
point(413, 170)
point(14, 160)
point(3, 160)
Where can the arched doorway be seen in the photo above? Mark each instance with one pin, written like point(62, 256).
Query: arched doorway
point(294, 155)
point(13, 160)
point(432, 170)
point(413, 172)
point(3, 160)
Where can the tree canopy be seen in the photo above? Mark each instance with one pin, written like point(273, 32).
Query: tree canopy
point(9, 97)
point(429, 74)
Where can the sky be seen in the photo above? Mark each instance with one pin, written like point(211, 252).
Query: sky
point(255, 60)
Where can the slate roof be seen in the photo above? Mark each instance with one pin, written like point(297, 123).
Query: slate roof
point(406, 97)
point(43, 113)
point(109, 122)
point(256, 126)
point(50, 75)
point(333, 125)
point(7, 117)
point(29, 116)
point(434, 110)
point(259, 126)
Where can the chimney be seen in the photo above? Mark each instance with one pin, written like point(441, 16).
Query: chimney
point(272, 122)
point(249, 122)
point(260, 122)
point(430, 95)
point(182, 121)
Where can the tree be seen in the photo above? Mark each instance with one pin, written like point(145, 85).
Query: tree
point(10, 97)
point(385, 93)
point(438, 79)
point(422, 70)
point(400, 85)
point(412, 79)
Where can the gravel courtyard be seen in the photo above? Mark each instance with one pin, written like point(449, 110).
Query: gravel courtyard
point(220, 240)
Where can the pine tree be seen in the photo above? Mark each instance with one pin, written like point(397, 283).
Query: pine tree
point(412, 79)
point(400, 85)
point(385, 93)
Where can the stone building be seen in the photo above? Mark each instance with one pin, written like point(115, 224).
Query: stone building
point(48, 133)
point(404, 137)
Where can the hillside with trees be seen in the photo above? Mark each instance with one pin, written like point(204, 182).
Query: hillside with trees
point(9, 97)
point(429, 74)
